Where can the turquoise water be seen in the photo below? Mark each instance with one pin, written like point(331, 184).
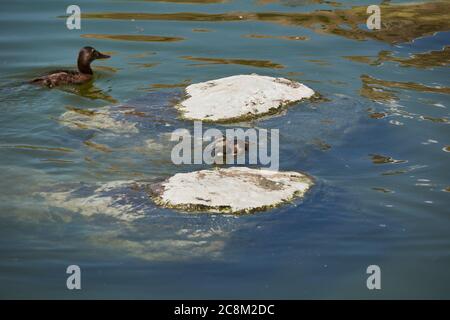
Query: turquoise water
point(365, 209)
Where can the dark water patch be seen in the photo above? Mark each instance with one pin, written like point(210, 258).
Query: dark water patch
point(38, 148)
point(132, 37)
point(264, 36)
point(97, 146)
point(88, 90)
point(58, 161)
point(244, 62)
point(394, 172)
point(319, 62)
point(142, 55)
point(106, 68)
point(144, 65)
point(383, 190)
point(201, 30)
point(322, 145)
point(171, 85)
point(180, 16)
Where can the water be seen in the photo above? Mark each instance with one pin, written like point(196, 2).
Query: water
point(366, 208)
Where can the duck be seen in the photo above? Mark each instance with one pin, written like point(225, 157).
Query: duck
point(225, 146)
point(84, 74)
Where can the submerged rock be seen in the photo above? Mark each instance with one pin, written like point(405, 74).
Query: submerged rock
point(240, 97)
point(230, 190)
point(149, 112)
point(97, 120)
point(123, 200)
point(137, 227)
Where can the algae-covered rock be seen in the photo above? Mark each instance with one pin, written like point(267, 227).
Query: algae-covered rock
point(240, 97)
point(230, 190)
point(143, 114)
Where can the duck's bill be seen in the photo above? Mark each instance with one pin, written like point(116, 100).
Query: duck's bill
point(103, 56)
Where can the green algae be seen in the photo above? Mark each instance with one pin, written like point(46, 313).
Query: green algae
point(438, 58)
point(377, 115)
point(97, 146)
point(144, 65)
point(170, 85)
point(360, 59)
point(434, 119)
point(201, 30)
point(38, 148)
point(375, 92)
point(375, 89)
point(380, 159)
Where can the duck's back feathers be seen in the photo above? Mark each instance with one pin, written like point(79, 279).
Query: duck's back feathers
point(62, 77)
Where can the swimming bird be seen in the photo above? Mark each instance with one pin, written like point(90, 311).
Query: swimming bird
point(84, 73)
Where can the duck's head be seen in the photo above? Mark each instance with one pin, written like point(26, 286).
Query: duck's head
point(86, 56)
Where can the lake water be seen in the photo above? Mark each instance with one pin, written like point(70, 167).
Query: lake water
point(377, 144)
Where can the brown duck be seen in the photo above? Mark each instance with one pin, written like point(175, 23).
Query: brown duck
point(84, 73)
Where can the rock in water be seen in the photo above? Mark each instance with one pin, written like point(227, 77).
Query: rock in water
point(230, 190)
point(241, 97)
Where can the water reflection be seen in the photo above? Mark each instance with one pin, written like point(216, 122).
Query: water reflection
point(405, 22)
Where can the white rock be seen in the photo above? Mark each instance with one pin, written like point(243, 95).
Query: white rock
point(240, 96)
point(231, 190)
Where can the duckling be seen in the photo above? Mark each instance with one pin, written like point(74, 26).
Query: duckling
point(84, 73)
point(226, 146)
